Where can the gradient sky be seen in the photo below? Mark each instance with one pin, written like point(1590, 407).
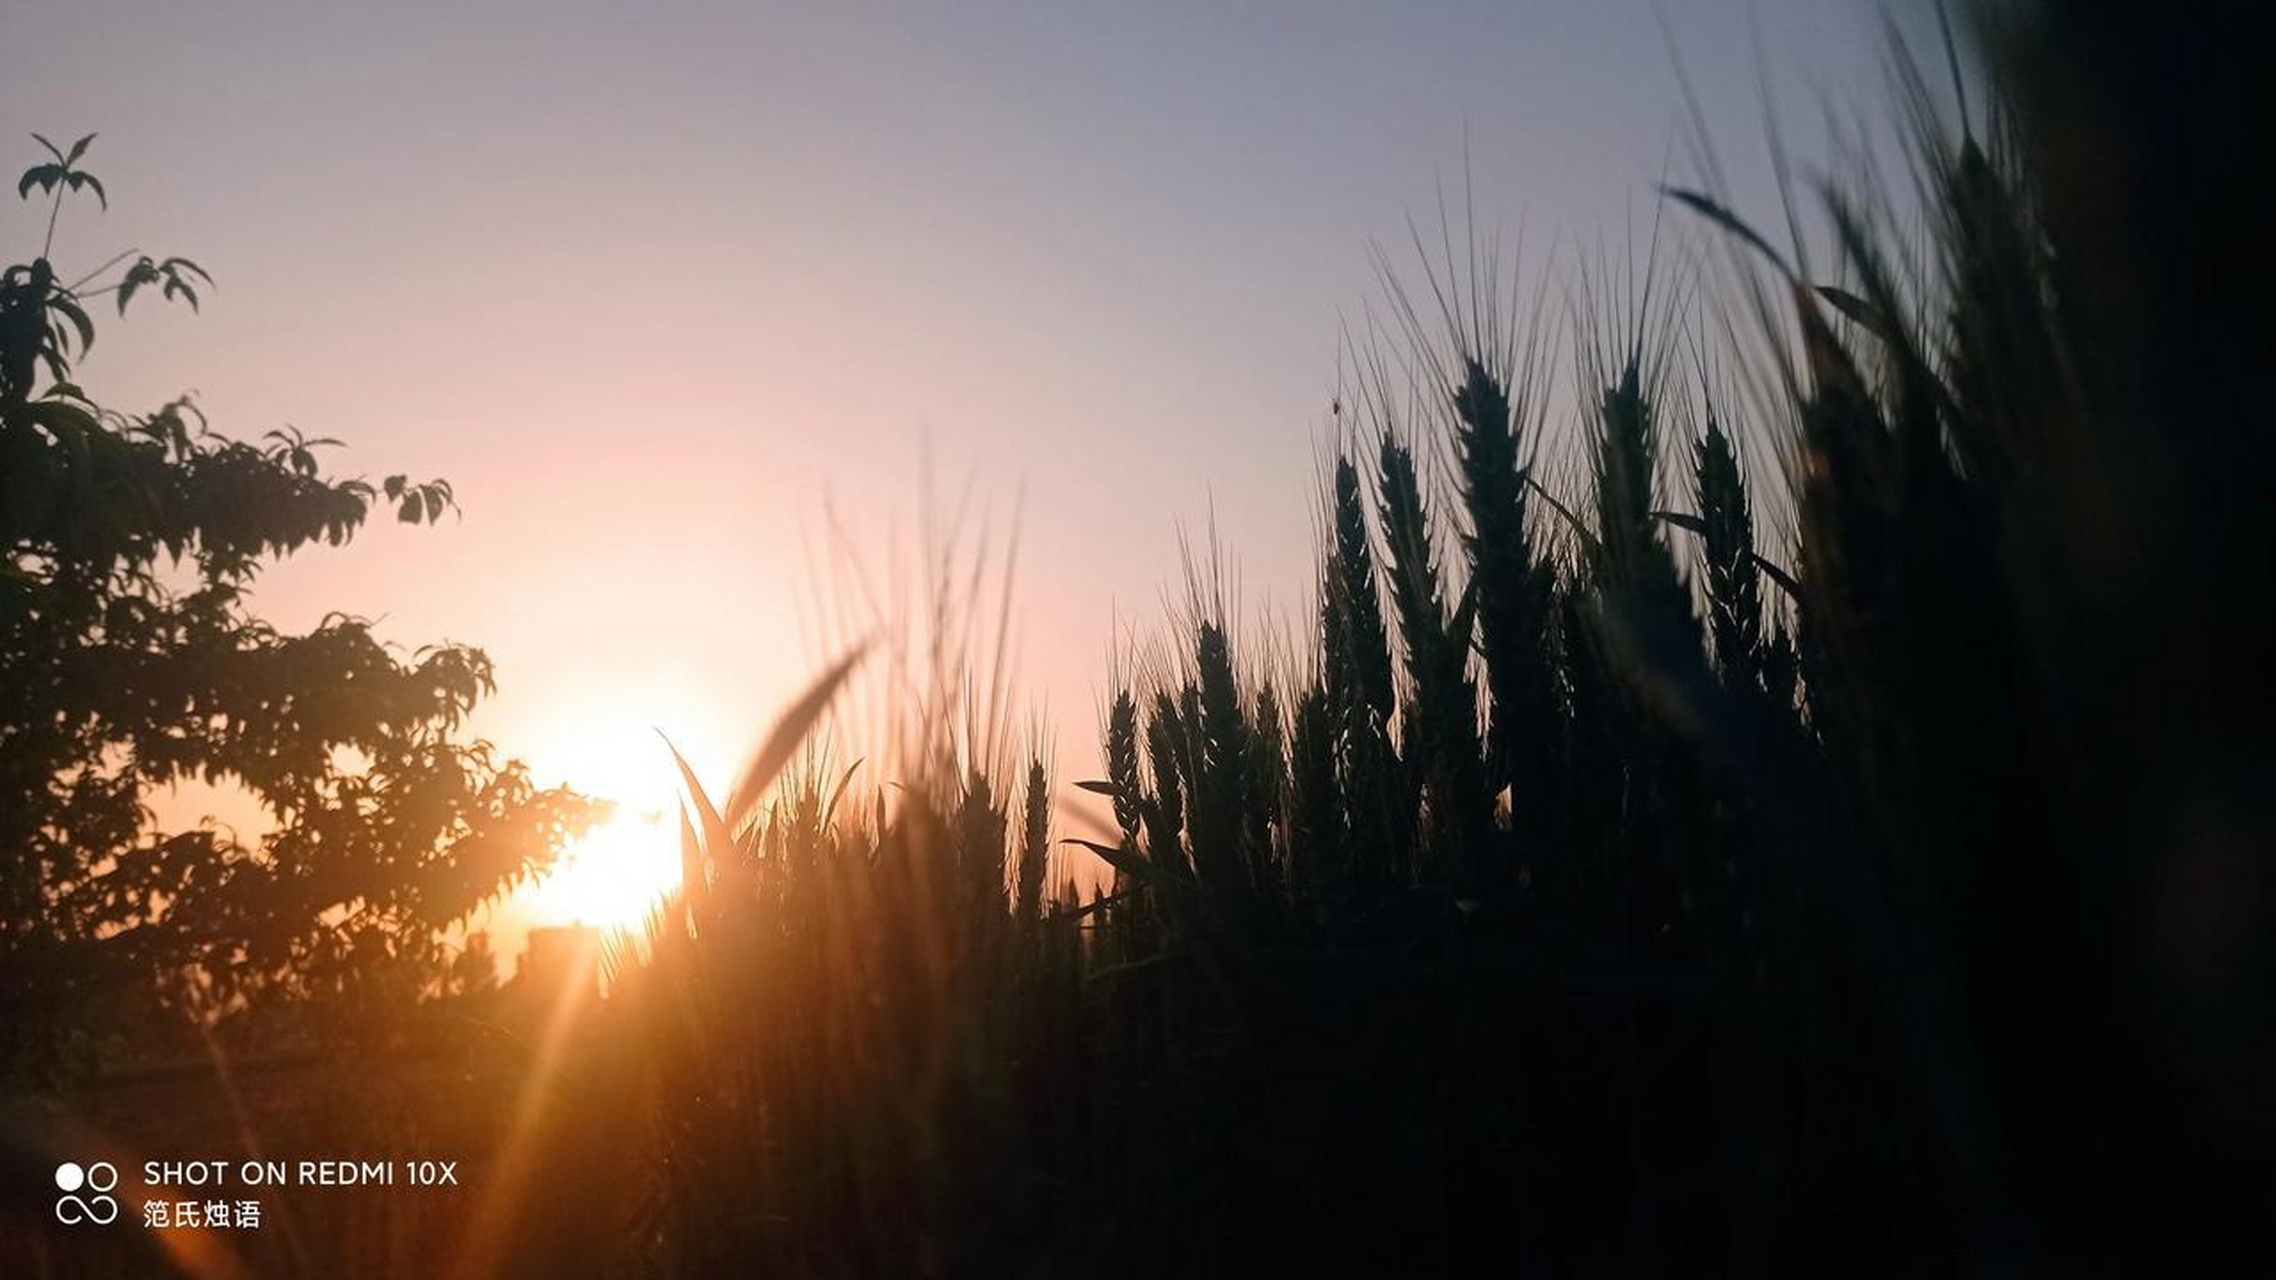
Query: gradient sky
point(646, 281)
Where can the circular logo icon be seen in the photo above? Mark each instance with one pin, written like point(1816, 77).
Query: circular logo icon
point(100, 1178)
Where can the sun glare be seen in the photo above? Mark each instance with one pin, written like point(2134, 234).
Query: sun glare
point(612, 877)
point(615, 874)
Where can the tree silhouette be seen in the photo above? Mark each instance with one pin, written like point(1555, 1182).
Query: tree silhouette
point(130, 660)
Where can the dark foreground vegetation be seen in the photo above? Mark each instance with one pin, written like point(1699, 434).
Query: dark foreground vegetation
point(1822, 807)
point(1618, 879)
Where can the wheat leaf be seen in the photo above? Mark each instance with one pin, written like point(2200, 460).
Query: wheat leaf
point(717, 836)
point(1712, 210)
point(1120, 859)
point(790, 730)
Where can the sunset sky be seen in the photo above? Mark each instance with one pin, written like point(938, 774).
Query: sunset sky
point(647, 282)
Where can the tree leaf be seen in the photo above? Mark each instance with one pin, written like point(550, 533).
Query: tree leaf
point(69, 310)
point(64, 420)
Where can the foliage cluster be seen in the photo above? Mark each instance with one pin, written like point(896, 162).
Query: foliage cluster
point(131, 661)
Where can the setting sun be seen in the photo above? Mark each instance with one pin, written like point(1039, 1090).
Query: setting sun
point(613, 877)
point(615, 874)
